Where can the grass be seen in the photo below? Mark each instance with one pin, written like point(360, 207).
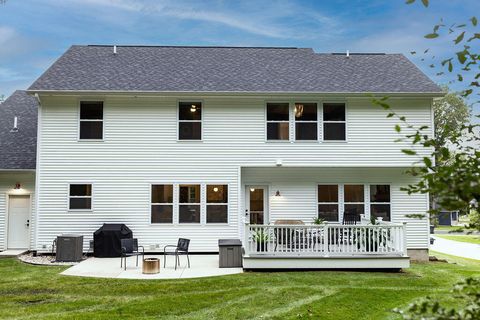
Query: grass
point(452, 229)
point(470, 238)
point(39, 292)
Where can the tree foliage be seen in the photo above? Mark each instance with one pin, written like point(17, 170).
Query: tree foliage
point(467, 305)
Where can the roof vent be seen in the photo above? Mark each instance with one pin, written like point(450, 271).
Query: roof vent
point(348, 53)
point(114, 49)
point(15, 125)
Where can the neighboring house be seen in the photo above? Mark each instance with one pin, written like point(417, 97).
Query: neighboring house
point(18, 145)
point(204, 142)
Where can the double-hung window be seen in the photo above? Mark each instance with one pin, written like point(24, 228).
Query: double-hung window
point(189, 206)
point(91, 120)
point(190, 121)
point(162, 203)
point(328, 202)
point(217, 203)
point(380, 201)
point(80, 197)
point(354, 201)
point(306, 121)
point(334, 123)
point(278, 121)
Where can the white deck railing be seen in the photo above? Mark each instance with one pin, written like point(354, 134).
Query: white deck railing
point(326, 240)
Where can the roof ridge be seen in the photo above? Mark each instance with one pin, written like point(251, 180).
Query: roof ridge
point(173, 46)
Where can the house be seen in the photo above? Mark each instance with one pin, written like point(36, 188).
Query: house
point(223, 142)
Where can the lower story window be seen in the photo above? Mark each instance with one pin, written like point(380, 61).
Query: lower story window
point(189, 206)
point(380, 201)
point(162, 203)
point(328, 202)
point(217, 203)
point(354, 202)
point(80, 197)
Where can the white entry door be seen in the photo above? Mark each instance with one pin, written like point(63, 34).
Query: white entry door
point(18, 222)
point(257, 204)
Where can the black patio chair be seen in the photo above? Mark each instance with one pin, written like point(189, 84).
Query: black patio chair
point(180, 249)
point(129, 249)
point(350, 218)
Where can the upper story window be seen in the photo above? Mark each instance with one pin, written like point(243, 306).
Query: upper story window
point(217, 203)
point(328, 202)
point(189, 207)
point(380, 201)
point(306, 121)
point(80, 197)
point(190, 121)
point(162, 203)
point(334, 123)
point(278, 121)
point(91, 120)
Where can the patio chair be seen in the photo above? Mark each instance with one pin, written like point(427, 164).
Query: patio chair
point(129, 249)
point(350, 218)
point(180, 249)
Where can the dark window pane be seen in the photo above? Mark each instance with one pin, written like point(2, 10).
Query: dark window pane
point(354, 193)
point(380, 210)
point(80, 189)
point(379, 193)
point(91, 129)
point(305, 111)
point(277, 131)
point(190, 131)
point(334, 131)
point(80, 203)
point(91, 110)
point(306, 131)
point(189, 214)
point(162, 193)
point(190, 193)
point(217, 193)
point(256, 200)
point(328, 212)
point(354, 209)
point(327, 193)
point(334, 112)
point(162, 214)
point(277, 111)
point(190, 111)
point(217, 214)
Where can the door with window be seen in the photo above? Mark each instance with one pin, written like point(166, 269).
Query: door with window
point(257, 204)
point(18, 222)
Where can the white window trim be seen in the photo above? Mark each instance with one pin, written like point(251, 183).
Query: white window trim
point(162, 203)
point(338, 203)
point(323, 121)
point(372, 202)
point(200, 121)
point(278, 121)
point(217, 204)
point(83, 197)
point(90, 120)
point(295, 121)
point(200, 204)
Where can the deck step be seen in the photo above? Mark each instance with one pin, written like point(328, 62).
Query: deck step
point(12, 253)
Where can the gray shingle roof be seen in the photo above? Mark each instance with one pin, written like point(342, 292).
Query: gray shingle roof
point(18, 148)
point(230, 69)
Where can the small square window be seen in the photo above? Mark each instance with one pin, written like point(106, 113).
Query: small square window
point(80, 197)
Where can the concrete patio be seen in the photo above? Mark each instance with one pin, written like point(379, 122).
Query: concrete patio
point(201, 266)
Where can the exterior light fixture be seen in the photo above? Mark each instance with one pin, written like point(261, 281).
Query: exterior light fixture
point(252, 189)
point(18, 186)
point(215, 189)
point(277, 194)
point(193, 108)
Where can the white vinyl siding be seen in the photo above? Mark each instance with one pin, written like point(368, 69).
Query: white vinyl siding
point(141, 148)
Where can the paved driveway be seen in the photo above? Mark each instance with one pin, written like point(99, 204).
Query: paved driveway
point(456, 248)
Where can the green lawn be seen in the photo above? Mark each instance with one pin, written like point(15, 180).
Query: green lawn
point(470, 238)
point(452, 229)
point(39, 292)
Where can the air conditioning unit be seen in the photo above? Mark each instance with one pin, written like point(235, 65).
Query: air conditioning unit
point(69, 248)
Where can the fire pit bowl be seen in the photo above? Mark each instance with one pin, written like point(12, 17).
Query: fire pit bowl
point(151, 266)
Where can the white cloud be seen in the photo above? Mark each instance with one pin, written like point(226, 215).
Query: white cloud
point(6, 33)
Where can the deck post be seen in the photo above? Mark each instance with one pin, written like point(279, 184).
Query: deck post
point(325, 239)
point(246, 245)
point(404, 230)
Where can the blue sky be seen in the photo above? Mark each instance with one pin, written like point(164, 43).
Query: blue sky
point(33, 33)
